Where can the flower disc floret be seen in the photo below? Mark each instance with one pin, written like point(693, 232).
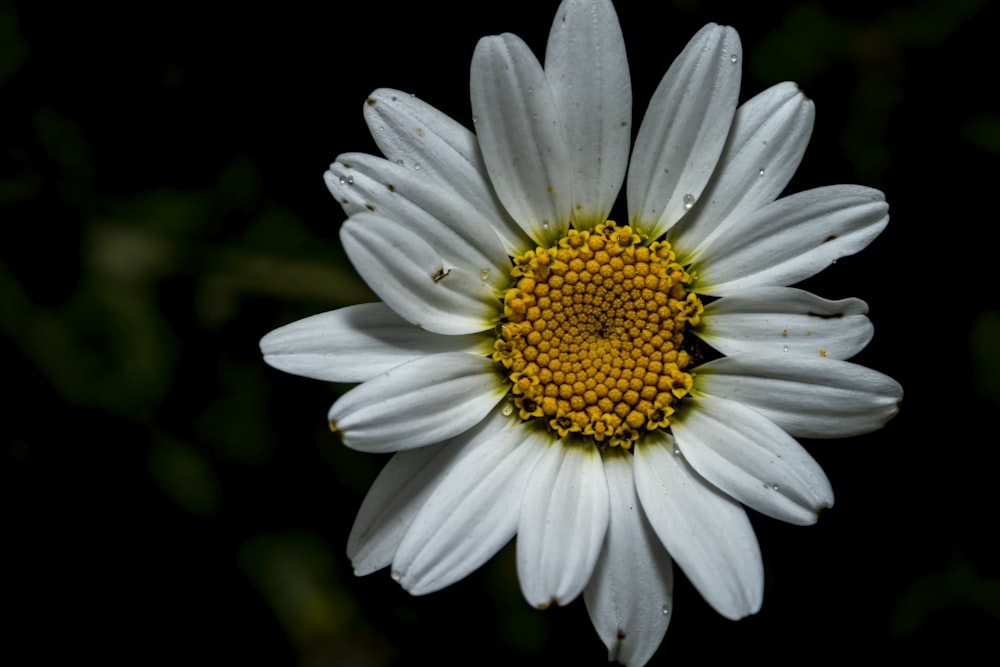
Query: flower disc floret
point(593, 334)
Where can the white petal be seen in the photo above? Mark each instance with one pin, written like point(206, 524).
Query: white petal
point(809, 397)
point(408, 272)
point(706, 532)
point(747, 456)
point(403, 487)
point(587, 68)
point(766, 320)
point(471, 514)
point(630, 596)
point(792, 238)
point(684, 130)
point(768, 139)
point(564, 517)
point(521, 137)
point(457, 230)
point(412, 132)
point(421, 402)
point(356, 343)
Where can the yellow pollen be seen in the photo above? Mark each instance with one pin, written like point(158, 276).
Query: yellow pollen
point(593, 333)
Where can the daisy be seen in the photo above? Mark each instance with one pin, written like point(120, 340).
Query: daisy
point(612, 393)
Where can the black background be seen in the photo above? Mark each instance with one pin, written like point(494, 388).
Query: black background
point(170, 498)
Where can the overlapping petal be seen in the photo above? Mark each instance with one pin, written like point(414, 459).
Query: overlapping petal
point(356, 343)
point(472, 512)
point(460, 232)
point(706, 532)
point(424, 401)
point(768, 320)
point(414, 134)
point(521, 137)
point(587, 69)
point(808, 397)
point(564, 518)
point(768, 138)
point(748, 457)
point(684, 130)
point(630, 596)
point(792, 238)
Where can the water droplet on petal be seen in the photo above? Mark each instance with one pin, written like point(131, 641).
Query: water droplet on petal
point(484, 274)
point(774, 486)
point(416, 166)
point(342, 180)
point(666, 610)
point(381, 129)
point(784, 348)
point(688, 200)
point(350, 180)
point(507, 410)
point(399, 162)
point(734, 58)
point(761, 172)
point(396, 576)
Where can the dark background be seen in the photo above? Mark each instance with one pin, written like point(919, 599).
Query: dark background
point(169, 498)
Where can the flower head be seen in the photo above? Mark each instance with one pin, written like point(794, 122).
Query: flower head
point(613, 393)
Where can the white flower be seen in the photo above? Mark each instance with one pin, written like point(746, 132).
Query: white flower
point(534, 366)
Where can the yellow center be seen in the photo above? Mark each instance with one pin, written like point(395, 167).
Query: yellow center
point(593, 332)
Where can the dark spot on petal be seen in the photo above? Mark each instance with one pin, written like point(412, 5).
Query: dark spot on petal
point(369, 207)
point(371, 101)
point(621, 634)
point(831, 237)
point(827, 316)
point(392, 188)
point(440, 275)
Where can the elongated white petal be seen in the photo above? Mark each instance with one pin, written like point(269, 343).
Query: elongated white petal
point(809, 397)
point(408, 272)
point(457, 230)
point(587, 68)
point(471, 514)
point(684, 130)
point(792, 238)
point(521, 137)
point(401, 490)
point(630, 596)
point(768, 139)
point(356, 343)
point(706, 532)
point(747, 456)
point(421, 402)
point(564, 517)
point(767, 320)
point(411, 132)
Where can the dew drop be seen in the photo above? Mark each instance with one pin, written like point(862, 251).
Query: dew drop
point(484, 274)
point(399, 162)
point(381, 129)
point(734, 58)
point(350, 180)
point(342, 180)
point(761, 172)
point(507, 410)
point(666, 610)
point(774, 487)
point(396, 576)
point(416, 166)
point(475, 119)
point(530, 90)
point(784, 348)
point(688, 200)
